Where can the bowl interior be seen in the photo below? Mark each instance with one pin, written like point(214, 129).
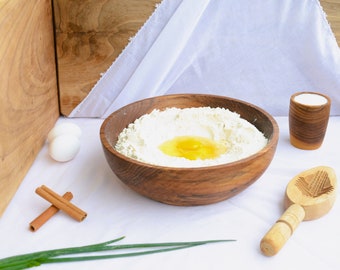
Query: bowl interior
point(121, 118)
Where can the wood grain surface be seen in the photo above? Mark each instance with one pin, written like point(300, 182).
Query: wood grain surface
point(332, 9)
point(308, 123)
point(90, 35)
point(28, 88)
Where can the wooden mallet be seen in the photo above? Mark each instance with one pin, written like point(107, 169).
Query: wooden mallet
point(309, 195)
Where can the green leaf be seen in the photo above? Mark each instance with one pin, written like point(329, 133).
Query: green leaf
point(60, 255)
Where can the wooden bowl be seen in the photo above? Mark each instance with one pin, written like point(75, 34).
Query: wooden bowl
point(188, 186)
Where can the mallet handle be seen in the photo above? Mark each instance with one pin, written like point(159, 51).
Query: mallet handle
point(280, 232)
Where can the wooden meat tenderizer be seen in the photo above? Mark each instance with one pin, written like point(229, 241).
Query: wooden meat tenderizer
point(309, 195)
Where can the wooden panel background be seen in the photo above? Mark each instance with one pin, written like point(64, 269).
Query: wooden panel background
point(28, 88)
point(90, 34)
point(332, 9)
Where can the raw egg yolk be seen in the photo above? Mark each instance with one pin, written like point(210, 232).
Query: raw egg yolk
point(193, 147)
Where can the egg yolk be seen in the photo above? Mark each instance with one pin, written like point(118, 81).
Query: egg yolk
point(193, 147)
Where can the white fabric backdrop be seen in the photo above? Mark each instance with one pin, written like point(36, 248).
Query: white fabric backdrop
point(258, 51)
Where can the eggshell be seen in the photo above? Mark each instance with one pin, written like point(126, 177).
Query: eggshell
point(64, 147)
point(64, 128)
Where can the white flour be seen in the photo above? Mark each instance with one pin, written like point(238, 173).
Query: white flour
point(141, 139)
point(310, 99)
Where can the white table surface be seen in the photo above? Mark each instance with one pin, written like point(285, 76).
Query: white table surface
point(114, 210)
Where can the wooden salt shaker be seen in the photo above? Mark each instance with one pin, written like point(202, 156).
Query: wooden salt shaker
point(309, 195)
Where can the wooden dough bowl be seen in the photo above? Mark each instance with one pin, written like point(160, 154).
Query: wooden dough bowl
point(188, 186)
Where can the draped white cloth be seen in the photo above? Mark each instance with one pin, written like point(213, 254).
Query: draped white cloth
point(258, 51)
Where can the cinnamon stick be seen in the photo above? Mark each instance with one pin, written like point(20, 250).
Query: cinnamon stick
point(61, 203)
point(47, 214)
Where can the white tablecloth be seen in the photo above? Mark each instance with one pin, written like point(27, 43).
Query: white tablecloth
point(114, 210)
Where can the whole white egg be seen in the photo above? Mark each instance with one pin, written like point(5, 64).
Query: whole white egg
point(64, 147)
point(64, 128)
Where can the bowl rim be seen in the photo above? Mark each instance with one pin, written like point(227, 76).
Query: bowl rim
point(272, 141)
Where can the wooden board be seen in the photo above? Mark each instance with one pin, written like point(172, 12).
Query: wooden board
point(90, 34)
point(28, 89)
point(332, 9)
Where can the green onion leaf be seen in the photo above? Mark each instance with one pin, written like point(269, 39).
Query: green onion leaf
point(60, 255)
